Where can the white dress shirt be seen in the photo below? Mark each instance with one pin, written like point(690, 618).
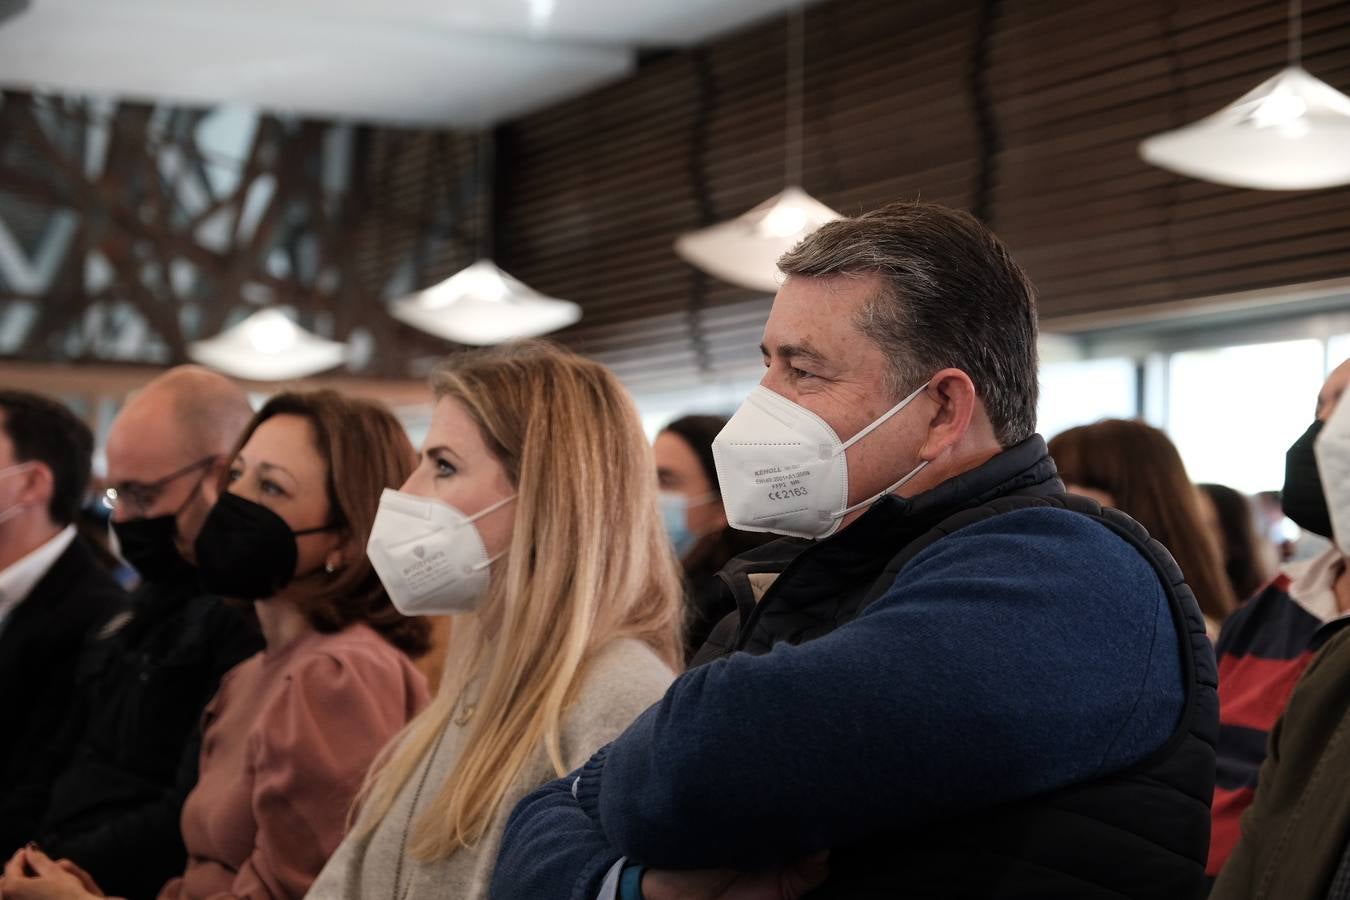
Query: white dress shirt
point(21, 576)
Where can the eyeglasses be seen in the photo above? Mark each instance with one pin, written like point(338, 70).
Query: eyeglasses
point(141, 496)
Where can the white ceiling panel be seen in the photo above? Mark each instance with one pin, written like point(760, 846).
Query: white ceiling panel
point(450, 63)
point(625, 22)
point(323, 67)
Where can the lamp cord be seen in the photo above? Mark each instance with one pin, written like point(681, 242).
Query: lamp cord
point(483, 154)
point(795, 64)
point(1295, 32)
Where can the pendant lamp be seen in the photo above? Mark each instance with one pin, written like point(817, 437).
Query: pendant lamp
point(1291, 132)
point(745, 250)
point(268, 346)
point(481, 304)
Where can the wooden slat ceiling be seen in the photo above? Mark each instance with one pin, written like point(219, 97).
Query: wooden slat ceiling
point(591, 193)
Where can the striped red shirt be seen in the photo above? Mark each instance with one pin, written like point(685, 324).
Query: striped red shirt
point(1262, 651)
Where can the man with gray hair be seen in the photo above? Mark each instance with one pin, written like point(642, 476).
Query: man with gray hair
point(115, 809)
point(951, 678)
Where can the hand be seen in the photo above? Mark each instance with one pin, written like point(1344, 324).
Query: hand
point(32, 875)
point(784, 883)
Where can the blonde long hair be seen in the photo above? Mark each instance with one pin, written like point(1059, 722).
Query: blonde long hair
point(589, 562)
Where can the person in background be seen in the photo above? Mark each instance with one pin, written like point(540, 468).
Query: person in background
point(696, 522)
point(115, 808)
point(533, 520)
point(1248, 559)
point(1136, 468)
point(1280, 531)
point(952, 676)
point(54, 595)
point(1266, 645)
point(293, 729)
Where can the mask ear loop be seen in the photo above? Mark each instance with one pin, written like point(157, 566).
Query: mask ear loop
point(480, 514)
point(890, 490)
point(885, 417)
point(490, 509)
point(923, 463)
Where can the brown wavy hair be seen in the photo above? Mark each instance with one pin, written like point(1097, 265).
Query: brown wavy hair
point(1140, 467)
point(367, 450)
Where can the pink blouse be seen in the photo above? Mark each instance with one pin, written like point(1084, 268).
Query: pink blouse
point(286, 743)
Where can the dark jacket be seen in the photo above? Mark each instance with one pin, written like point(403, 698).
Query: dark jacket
point(39, 648)
point(1296, 831)
point(707, 601)
point(992, 690)
point(115, 809)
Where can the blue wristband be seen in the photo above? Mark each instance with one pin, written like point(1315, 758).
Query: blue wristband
point(630, 882)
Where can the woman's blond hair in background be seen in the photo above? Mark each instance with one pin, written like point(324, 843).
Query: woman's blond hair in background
point(589, 563)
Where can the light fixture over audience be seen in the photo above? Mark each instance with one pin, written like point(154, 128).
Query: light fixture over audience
point(745, 250)
point(1291, 132)
point(483, 305)
point(268, 346)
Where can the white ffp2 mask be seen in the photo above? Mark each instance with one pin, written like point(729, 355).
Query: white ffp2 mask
point(1332, 451)
point(783, 470)
point(429, 555)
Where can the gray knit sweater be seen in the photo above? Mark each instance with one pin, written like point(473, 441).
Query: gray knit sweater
point(624, 679)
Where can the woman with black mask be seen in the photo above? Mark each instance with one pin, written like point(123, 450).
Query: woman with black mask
point(292, 730)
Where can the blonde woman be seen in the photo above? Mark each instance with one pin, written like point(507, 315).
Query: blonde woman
point(533, 519)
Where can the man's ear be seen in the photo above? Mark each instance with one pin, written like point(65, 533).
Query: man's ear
point(955, 399)
point(38, 485)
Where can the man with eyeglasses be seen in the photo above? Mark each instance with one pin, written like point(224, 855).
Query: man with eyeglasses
point(115, 809)
point(53, 595)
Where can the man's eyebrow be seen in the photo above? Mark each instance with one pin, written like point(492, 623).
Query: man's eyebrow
point(803, 351)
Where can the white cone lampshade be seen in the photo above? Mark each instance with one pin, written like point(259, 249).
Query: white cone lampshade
point(1291, 132)
point(268, 346)
point(483, 305)
point(745, 250)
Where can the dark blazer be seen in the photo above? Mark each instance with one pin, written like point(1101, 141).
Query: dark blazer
point(115, 809)
point(40, 643)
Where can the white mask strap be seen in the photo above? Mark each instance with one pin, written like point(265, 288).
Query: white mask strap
point(882, 421)
point(890, 490)
point(484, 565)
point(489, 509)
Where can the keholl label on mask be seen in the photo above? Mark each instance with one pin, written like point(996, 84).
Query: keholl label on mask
point(784, 484)
point(422, 569)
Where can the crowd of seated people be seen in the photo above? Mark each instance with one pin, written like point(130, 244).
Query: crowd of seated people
point(870, 636)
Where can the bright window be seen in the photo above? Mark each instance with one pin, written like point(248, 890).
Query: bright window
point(1234, 411)
point(1085, 391)
point(1338, 350)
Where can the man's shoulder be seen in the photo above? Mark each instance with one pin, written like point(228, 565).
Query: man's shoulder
point(1043, 561)
point(1042, 534)
point(78, 590)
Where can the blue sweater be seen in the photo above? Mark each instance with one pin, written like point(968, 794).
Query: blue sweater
point(1027, 652)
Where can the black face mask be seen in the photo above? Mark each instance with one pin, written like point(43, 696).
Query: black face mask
point(151, 545)
point(1302, 497)
point(245, 550)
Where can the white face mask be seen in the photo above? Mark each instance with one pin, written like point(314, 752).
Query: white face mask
point(1333, 464)
point(429, 555)
point(783, 470)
